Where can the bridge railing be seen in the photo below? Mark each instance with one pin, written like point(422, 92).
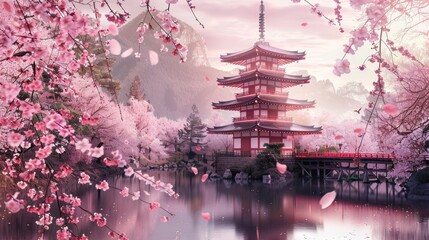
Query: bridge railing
point(344, 155)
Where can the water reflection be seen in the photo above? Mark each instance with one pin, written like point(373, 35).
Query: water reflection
point(289, 210)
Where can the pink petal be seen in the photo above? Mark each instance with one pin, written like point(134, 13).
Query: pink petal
point(127, 52)
point(204, 177)
point(339, 137)
point(113, 30)
point(327, 199)
point(304, 24)
point(205, 216)
point(194, 170)
point(359, 131)
point(281, 167)
point(207, 79)
point(164, 219)
point(114, 47)
point(391, 109)
point(153, 58)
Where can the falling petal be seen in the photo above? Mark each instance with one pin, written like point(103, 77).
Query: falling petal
point(205, 216)
point(194, 170)
point(304, 24)
point(327, 199)
point(204, 177)
point(114, 47)
point(391, 109)
point(147, 194)
point(164, 219)
point(339, 137)
point(113, 30)
point(127, 52)
point(281, 167)
point(359, 131)
point(153, 58)
point(207, 79)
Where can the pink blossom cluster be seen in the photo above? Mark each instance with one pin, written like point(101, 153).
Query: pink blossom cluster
point(43, 93)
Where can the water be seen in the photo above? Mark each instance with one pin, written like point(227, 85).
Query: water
point(289, 210)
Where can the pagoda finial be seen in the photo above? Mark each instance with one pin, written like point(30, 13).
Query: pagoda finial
point(261, 22)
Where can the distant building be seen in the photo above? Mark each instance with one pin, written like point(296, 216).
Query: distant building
point(263, 102)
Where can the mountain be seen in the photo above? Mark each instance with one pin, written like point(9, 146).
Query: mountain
point(170, 86)
point(340, 103)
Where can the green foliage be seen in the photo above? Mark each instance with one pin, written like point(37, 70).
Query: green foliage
point(267, 159)
point(194, 130)
point(422, 175)
point(249, 169)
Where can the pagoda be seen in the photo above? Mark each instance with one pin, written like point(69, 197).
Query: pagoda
point(263, 102)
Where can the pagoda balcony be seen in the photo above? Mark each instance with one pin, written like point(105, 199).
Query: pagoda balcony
point(243, 94)
point(267, 118)
point(276, 70)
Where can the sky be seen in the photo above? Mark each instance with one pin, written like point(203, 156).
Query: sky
point(233, 25)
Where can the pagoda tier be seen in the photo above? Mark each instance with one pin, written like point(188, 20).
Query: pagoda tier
point(264, 101)
point(260, 76)
point(257, 126)
point(260, 50)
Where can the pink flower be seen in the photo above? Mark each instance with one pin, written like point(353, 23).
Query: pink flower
point(15, 139)
point(376, 15)
point(194, 170)
point(63, 234)
point(21, 184)
point(342, 66)
point(59, 221)
point(83, 145)
point(43, 153)
point(339, 137)
point(97, 152)
point(8, 92)
point(136, 196)
point(113, 162)
point(14, 205)
point(103, 185)
point(154, 205)
point(129, 171)
point(84, 179)
point(359, 131)
point(124, 192)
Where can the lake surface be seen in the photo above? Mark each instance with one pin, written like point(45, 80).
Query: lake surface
point(288, 210)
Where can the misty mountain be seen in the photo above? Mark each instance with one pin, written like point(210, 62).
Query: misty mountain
point(170, 86)
point(339, 102)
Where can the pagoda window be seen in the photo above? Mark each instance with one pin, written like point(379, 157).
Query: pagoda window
point(254, 134)
point(254, 142)
point(262, 65)
point(243, 114)
point(264, 82)
point(263, 141)
point(264, 113)
point(275, 66)
point(237, 134)
point(263, 88)
point(269, 66)
point(245, 134)
point(237, 142)
point(255, 113)
point(278, 90)
point(264, 58)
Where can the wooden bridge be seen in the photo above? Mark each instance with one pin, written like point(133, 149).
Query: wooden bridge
point(345, 166)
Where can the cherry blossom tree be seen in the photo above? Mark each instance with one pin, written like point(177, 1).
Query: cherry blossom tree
point(52, 105)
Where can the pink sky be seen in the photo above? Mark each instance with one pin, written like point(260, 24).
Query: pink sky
point(233, 26)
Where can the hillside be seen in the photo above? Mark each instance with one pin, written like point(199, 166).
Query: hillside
point(172, 87)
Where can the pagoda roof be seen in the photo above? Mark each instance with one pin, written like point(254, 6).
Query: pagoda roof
point(278, 76)
point(262, 48)
point(293, 128)
point(286, 102)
